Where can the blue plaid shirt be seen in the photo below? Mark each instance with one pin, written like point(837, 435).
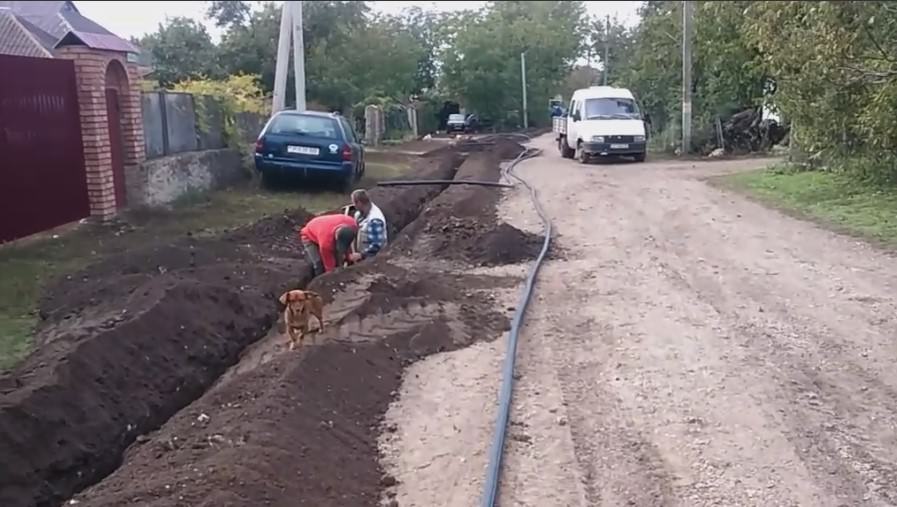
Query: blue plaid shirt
point(374, 238)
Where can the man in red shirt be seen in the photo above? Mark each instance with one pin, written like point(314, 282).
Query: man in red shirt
point(327, 240)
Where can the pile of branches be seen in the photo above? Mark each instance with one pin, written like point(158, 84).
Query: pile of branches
point(744, 132)
point(747, 132)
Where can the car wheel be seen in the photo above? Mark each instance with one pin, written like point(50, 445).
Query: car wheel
point(640, 157)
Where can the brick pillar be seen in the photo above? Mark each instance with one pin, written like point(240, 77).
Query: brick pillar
point(90, 74)
point(132, 123)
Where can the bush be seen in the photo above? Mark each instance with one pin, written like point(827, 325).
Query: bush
point(235, 96)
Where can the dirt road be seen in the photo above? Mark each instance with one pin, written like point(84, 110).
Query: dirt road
point(698, 349)
point(689, 348)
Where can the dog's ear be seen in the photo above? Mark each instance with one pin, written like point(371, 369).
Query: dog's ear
point(283, 299)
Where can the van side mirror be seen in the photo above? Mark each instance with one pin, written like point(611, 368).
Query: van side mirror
point(576, 116)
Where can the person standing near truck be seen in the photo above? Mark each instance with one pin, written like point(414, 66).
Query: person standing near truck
point(327, 241)
point(372, 235)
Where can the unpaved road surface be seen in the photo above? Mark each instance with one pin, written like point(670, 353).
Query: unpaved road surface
point(685, 347)
point(695, 348)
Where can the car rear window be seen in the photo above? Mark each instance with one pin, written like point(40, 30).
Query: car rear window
point(303, 125)
point(456, 117)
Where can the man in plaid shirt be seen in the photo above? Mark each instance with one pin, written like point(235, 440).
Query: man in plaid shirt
point(372, 235)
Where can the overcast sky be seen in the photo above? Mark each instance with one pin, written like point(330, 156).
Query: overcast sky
point(128, 19)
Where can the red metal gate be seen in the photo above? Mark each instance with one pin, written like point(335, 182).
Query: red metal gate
point(42, 179)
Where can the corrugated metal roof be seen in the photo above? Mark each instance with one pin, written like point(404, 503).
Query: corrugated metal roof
point(42, 14)
point(43, 38)
point(63, 22)
point(16, 40)
point(97, 41)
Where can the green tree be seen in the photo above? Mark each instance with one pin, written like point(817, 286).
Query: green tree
point(251, 47)
point(228, 12)
point(482, 64)
point(617, 41)
point(835, 69)
point(726, 76)
point(181, 48)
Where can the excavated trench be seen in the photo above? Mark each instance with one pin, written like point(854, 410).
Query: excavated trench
point(137, 384)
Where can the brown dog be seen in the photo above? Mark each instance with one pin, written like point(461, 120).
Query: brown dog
point(300, 305)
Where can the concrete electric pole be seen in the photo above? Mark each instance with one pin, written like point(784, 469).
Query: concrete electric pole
point(606, 48)
point(283, 60)
point(523, 84)
point(290, 28)
point(687, 20)
point(298, 55)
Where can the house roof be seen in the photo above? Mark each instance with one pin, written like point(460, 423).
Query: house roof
point(16, 39)
point(62, 21)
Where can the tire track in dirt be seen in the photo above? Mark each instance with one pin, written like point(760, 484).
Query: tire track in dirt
point(749, 352)
point(821, 405)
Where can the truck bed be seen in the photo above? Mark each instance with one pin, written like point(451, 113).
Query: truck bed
point(559, 125)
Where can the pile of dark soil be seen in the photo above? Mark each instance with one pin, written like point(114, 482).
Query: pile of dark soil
point(483, 244)
point(131, 340)
point(302, 428)
point(461, 223)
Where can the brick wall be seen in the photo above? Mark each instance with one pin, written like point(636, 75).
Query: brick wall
point(91, 67)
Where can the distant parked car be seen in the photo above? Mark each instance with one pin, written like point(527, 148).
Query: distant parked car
point(309, 143)
point(456, 123)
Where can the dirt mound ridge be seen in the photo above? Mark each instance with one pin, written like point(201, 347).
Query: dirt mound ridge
point(483, 244)
point(302, 428)
point(131, 340)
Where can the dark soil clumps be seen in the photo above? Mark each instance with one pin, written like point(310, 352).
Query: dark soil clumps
point(485, 245)
point(129, 341)
point(121, 387)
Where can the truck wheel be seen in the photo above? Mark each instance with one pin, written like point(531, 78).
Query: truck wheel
point(581, 155)
point(565, 151)
point(640, 157)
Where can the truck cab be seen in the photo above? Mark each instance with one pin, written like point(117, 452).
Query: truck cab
point(601, 121)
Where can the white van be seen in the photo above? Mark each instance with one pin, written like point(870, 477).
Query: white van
point(601, 121)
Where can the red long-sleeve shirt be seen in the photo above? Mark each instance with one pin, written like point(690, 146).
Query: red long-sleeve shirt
point(322, 232)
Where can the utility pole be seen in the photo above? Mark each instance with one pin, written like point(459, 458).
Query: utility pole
point(298, 55)
point(283, 60)
point(523, 84)
point(606, 49)
point(687, 17)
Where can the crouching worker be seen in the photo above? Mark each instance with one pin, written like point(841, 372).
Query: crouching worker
point(328, 241)
point(371, 227)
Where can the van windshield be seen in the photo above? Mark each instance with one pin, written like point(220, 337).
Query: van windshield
point(610, 109)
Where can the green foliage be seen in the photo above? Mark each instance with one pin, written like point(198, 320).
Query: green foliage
point(726, 74)
point(235, 95)
point(481, 66)
point(181, 49)
point(837, 200)
point(612, 37)
point(835, 70)
point(228, 13)
point(388, 54)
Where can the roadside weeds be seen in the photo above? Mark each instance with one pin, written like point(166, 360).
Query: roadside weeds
point(831, 200)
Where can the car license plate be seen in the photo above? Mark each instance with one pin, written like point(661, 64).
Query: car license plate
point(303, 150)
point(619, 146)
